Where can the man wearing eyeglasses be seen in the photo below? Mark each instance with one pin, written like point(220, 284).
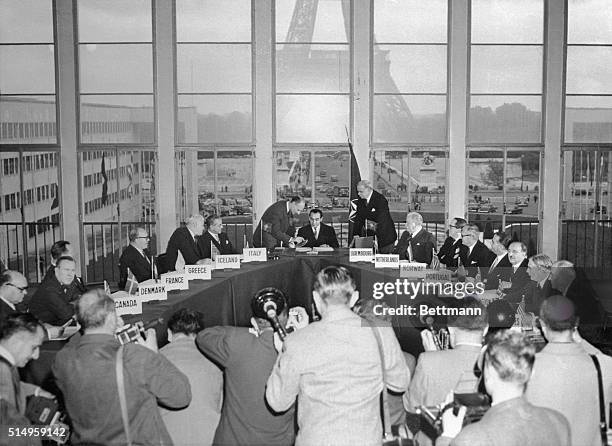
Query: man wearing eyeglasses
point(136, 257)
point(13, 289)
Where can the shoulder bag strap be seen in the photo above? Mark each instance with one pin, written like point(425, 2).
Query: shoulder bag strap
point(602, 410)
point(122, 399)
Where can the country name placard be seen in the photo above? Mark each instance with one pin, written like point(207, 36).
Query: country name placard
point(198, 272)
point(413, 270)
point(361, 255)
point(255, 255)
point(386, 261)
point(175, 281)
point(152, 291)
point(127, 303)
point(228, 261)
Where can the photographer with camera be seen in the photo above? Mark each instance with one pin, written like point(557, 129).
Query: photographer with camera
point(511, 420)
point(88, 372)
point(248, 355)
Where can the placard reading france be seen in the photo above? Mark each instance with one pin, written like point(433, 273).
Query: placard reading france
point(198, 272)
point(175, 281)
point(127, 304)
point(152, 291)
point(255, 254)
point(227, 261)
point(386, 261)
point(360, 255)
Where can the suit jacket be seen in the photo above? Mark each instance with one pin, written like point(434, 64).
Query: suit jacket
point(376, 210)
point(515, 422)
point(449, 252)
point(77, 283)
point(5, 310)
point(182, 240)
point(582, 294)
point(52, 302)
point(535, 295)
point(520, 282)
point(275, 222)
point(327, 236)
point(224, 247)
point(136, 262)
point(497, 273)
point(423, 245)
point(480, 258)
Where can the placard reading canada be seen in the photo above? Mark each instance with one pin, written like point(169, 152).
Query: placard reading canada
point(175, 281)
point(386, 261)
point(152, 291)
point(231, 261)
point(255, 254)
point(127, 303)
point(413, 270)
point(361, 255)
point(198, 272)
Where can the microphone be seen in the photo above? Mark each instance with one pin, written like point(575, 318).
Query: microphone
point(268, 303)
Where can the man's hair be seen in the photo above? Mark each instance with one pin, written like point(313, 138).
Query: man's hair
point(316, 211)
point(461, 222)
point(58, 249)
point(476, 322)
point(365, 183)
point(210, 220)
point(186, 321)
point(542, 261)
point(133, 235)
point(296, 199)
point(501, 315)
point(6, 277)
point(64, 259)
point(19, 322)
point(472, 229)
point(522, 245)
point(563, 264)
point(93, 307)
point(415, 217)
point(504, 238)
point(192, 219)
point(512, 355)
point(558, 313)
point(335, 284)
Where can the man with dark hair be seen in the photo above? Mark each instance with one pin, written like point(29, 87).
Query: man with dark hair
point(449, 252)
point(248, 355)
point(63, 248)
point(500, 266)
point(416, 243)
point(511, 420)
point(474, 255)
point(333, 367)
point(136, 257)
point(515, 286)
point(195, 424)
point(373, 217)
point(318, 233)
point(275, 222)
point(85, 373)
point(53, 301)
point(214, 237)
point(564, 376)
point(13, 289)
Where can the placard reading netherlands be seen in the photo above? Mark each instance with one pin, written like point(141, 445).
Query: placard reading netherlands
point(386, 261)
point(175, 281)
point(152, 291)
point(414, 270)
point(227, 261)
point(198, 272)
point(360, 255)
point(127, 304)
point(255, 254)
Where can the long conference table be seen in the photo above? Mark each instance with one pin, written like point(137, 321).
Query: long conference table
point(226, 298)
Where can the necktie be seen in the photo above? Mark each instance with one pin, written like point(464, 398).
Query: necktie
point(316, 233)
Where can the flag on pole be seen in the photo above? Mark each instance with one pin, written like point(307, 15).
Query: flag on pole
point(353, 197)
point(132, 282)
point(55, 203)
point(179, 266)
point(107, 289)
point(104, 182)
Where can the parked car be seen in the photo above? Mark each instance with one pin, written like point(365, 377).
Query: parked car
point(487, 208)
point(515, 210)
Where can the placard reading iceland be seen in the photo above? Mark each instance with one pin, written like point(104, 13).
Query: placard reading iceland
point(231, 261)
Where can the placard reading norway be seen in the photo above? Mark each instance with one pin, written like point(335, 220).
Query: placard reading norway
point(386, 261)
point(255, 254)
point(227, 261)
point(361, 255)
point(127, 303)
point(413, 269)
point(198, 272)
point(152, 291)
point(175, 281)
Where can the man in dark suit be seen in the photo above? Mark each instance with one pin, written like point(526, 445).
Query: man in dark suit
point(373, 217)
point(63, 248)
point(136, 257)
point(13, 288)
point(539, 288)
point(500, 267)
point(318, 233)
point(449, 252)
point(184, 239)
point(214, 237)
point(416, 244)
point(474, 255)
point(272, 228)
point(514, 288)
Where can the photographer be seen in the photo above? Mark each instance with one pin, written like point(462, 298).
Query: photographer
point(511, 420)
point(86, 374)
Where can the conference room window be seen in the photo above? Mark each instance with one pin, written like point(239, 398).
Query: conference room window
point(588, 82)
point(27, 71)
point(506, 71)
point(115, 63)
point(409, 61)
point(214, 71)
point(312, 71)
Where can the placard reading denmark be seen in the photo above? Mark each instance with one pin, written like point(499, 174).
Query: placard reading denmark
point(227, 261)
point(361, 255)
point(255, 254)
point(175, 281)
point(152, 291)
point(127, 303)
point(414, 270)
point(198, 272)
point(386, 261)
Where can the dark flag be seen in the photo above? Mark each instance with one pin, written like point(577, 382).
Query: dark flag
point(55, 203)
point(355, 178)
point(104, 182)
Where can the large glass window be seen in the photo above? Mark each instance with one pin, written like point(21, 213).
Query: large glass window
point(410, 71)
point(214, 71)
point(312, 71)
point(588, 83)
point(506, 71)
point(115, 56)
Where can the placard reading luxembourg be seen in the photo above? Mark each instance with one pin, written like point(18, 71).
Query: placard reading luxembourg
point(227, 261)
point(415, 270)
point(361, 255)
point(198, 272)
point(386, 261)
point(152, 291)
point(175, 281)
point(127, 303)
point(255, 254)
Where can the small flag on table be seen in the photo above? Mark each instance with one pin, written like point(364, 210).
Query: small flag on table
point(107, 289)
point(132, 282)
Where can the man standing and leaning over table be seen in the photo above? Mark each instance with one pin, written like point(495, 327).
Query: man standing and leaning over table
point(373, 217)
point(272, 228)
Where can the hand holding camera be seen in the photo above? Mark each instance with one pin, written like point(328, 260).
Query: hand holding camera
point(298, 318)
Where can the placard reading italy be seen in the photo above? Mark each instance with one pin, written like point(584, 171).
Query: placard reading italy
point(386, 261)
point(360, 255)
point(127, 303)
point(255, 254)
point(152, 291)
point(415, 270)
point(227, 261)
point(175, 281)
point(198, 272)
